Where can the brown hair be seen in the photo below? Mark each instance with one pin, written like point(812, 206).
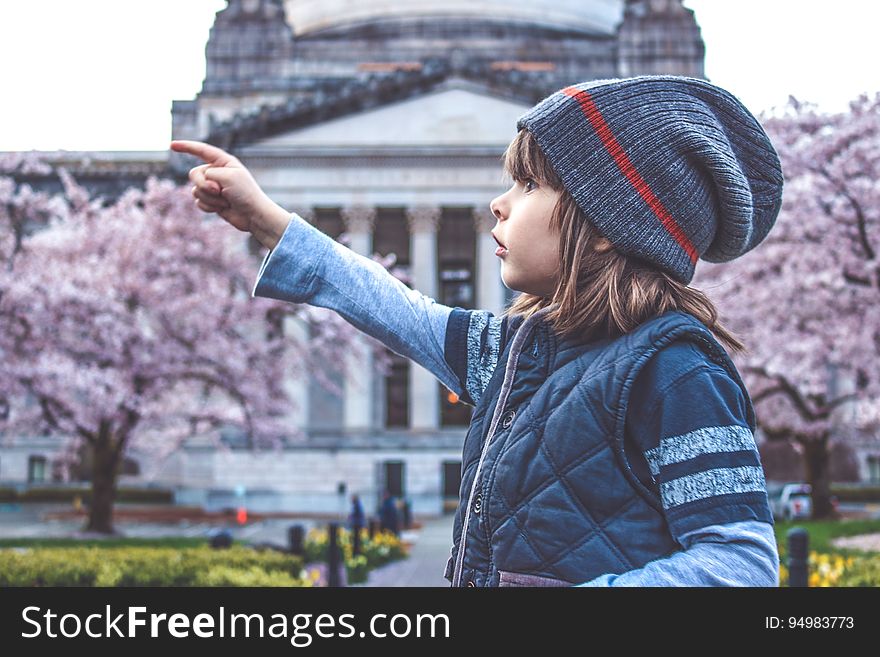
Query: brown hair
point(600, 292)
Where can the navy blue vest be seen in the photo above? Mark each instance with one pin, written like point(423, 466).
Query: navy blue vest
point(547, 496)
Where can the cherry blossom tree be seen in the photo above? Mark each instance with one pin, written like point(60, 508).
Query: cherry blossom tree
point(807, 300)
point(132, 323)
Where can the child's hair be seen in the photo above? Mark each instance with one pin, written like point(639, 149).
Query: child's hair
point(600, 292)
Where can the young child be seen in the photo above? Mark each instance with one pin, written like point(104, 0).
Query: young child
point(611, 441)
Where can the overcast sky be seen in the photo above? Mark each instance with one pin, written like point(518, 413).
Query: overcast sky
point(101, 74)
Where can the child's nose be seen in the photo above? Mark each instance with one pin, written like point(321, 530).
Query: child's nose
point(495, 207)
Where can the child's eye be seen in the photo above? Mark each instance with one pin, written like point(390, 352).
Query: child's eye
point(527, 182)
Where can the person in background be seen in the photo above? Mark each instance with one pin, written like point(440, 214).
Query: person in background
point(356, 518)
point(388, 518)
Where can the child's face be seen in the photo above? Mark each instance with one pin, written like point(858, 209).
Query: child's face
point(531, 257)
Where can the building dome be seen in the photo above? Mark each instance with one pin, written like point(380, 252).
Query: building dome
point(595, 16)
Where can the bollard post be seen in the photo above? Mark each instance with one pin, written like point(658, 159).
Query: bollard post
point(407, 515)
point(374, 526)
point(333, 557)
point(356, 540)
point(798, 551)
point(296, 539)
point(221, 539)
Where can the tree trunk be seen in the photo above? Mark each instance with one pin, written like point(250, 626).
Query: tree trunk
point(817, 462)
point(105, 462)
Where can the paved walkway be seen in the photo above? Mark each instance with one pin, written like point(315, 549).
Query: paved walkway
point(427, 559)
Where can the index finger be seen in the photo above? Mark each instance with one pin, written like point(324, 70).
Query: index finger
point(207, 152)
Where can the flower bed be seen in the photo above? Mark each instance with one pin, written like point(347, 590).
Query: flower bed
point(382, 549)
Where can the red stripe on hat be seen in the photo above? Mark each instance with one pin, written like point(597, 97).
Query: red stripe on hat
point(626, 167)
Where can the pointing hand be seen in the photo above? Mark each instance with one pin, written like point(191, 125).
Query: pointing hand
point(225, 186)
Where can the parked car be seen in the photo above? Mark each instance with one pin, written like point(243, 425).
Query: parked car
point(790, 501)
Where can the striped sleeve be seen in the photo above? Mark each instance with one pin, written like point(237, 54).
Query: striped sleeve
point(688, 417)
point(473, 344)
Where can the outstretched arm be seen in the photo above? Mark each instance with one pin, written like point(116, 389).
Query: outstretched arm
point(308, 266)
point(460, 347)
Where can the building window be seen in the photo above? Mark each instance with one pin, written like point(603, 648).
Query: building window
point(456, 258)
point(397, 393)
point(453, 411)
point(456, 284)
point(392, 477)
point(391, 235)
point(874, 468)
point(451, 478)
point(329, 221)
point(36, 469)
point(451, 485)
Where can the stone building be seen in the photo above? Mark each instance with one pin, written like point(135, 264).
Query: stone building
point(386, 120)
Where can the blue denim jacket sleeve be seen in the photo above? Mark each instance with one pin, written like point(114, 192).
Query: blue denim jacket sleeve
point(733, 554)
point(307, 266)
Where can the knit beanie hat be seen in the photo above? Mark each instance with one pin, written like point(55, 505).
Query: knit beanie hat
point(667, 168)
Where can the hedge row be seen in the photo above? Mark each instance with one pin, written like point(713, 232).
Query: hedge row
point(133, 495)
point(856, 493)
point(239, 565)
point(142, 566)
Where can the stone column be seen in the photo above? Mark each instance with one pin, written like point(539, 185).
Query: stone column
point(424, 396)
point(487, 277)
point(297, 385)
point(359, 384)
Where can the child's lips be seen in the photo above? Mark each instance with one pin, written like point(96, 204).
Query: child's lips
point(501, 250)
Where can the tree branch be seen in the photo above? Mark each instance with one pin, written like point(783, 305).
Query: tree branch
point(230, 390)
point(787, 389)
point(857, 280)
point(861, 221)
point(840, 401)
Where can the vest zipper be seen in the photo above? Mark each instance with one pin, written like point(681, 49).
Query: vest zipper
point(510, 369)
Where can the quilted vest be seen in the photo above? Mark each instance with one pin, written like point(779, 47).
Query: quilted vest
point(547, 496)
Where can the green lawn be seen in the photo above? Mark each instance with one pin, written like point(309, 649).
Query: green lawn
point(822, 531)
